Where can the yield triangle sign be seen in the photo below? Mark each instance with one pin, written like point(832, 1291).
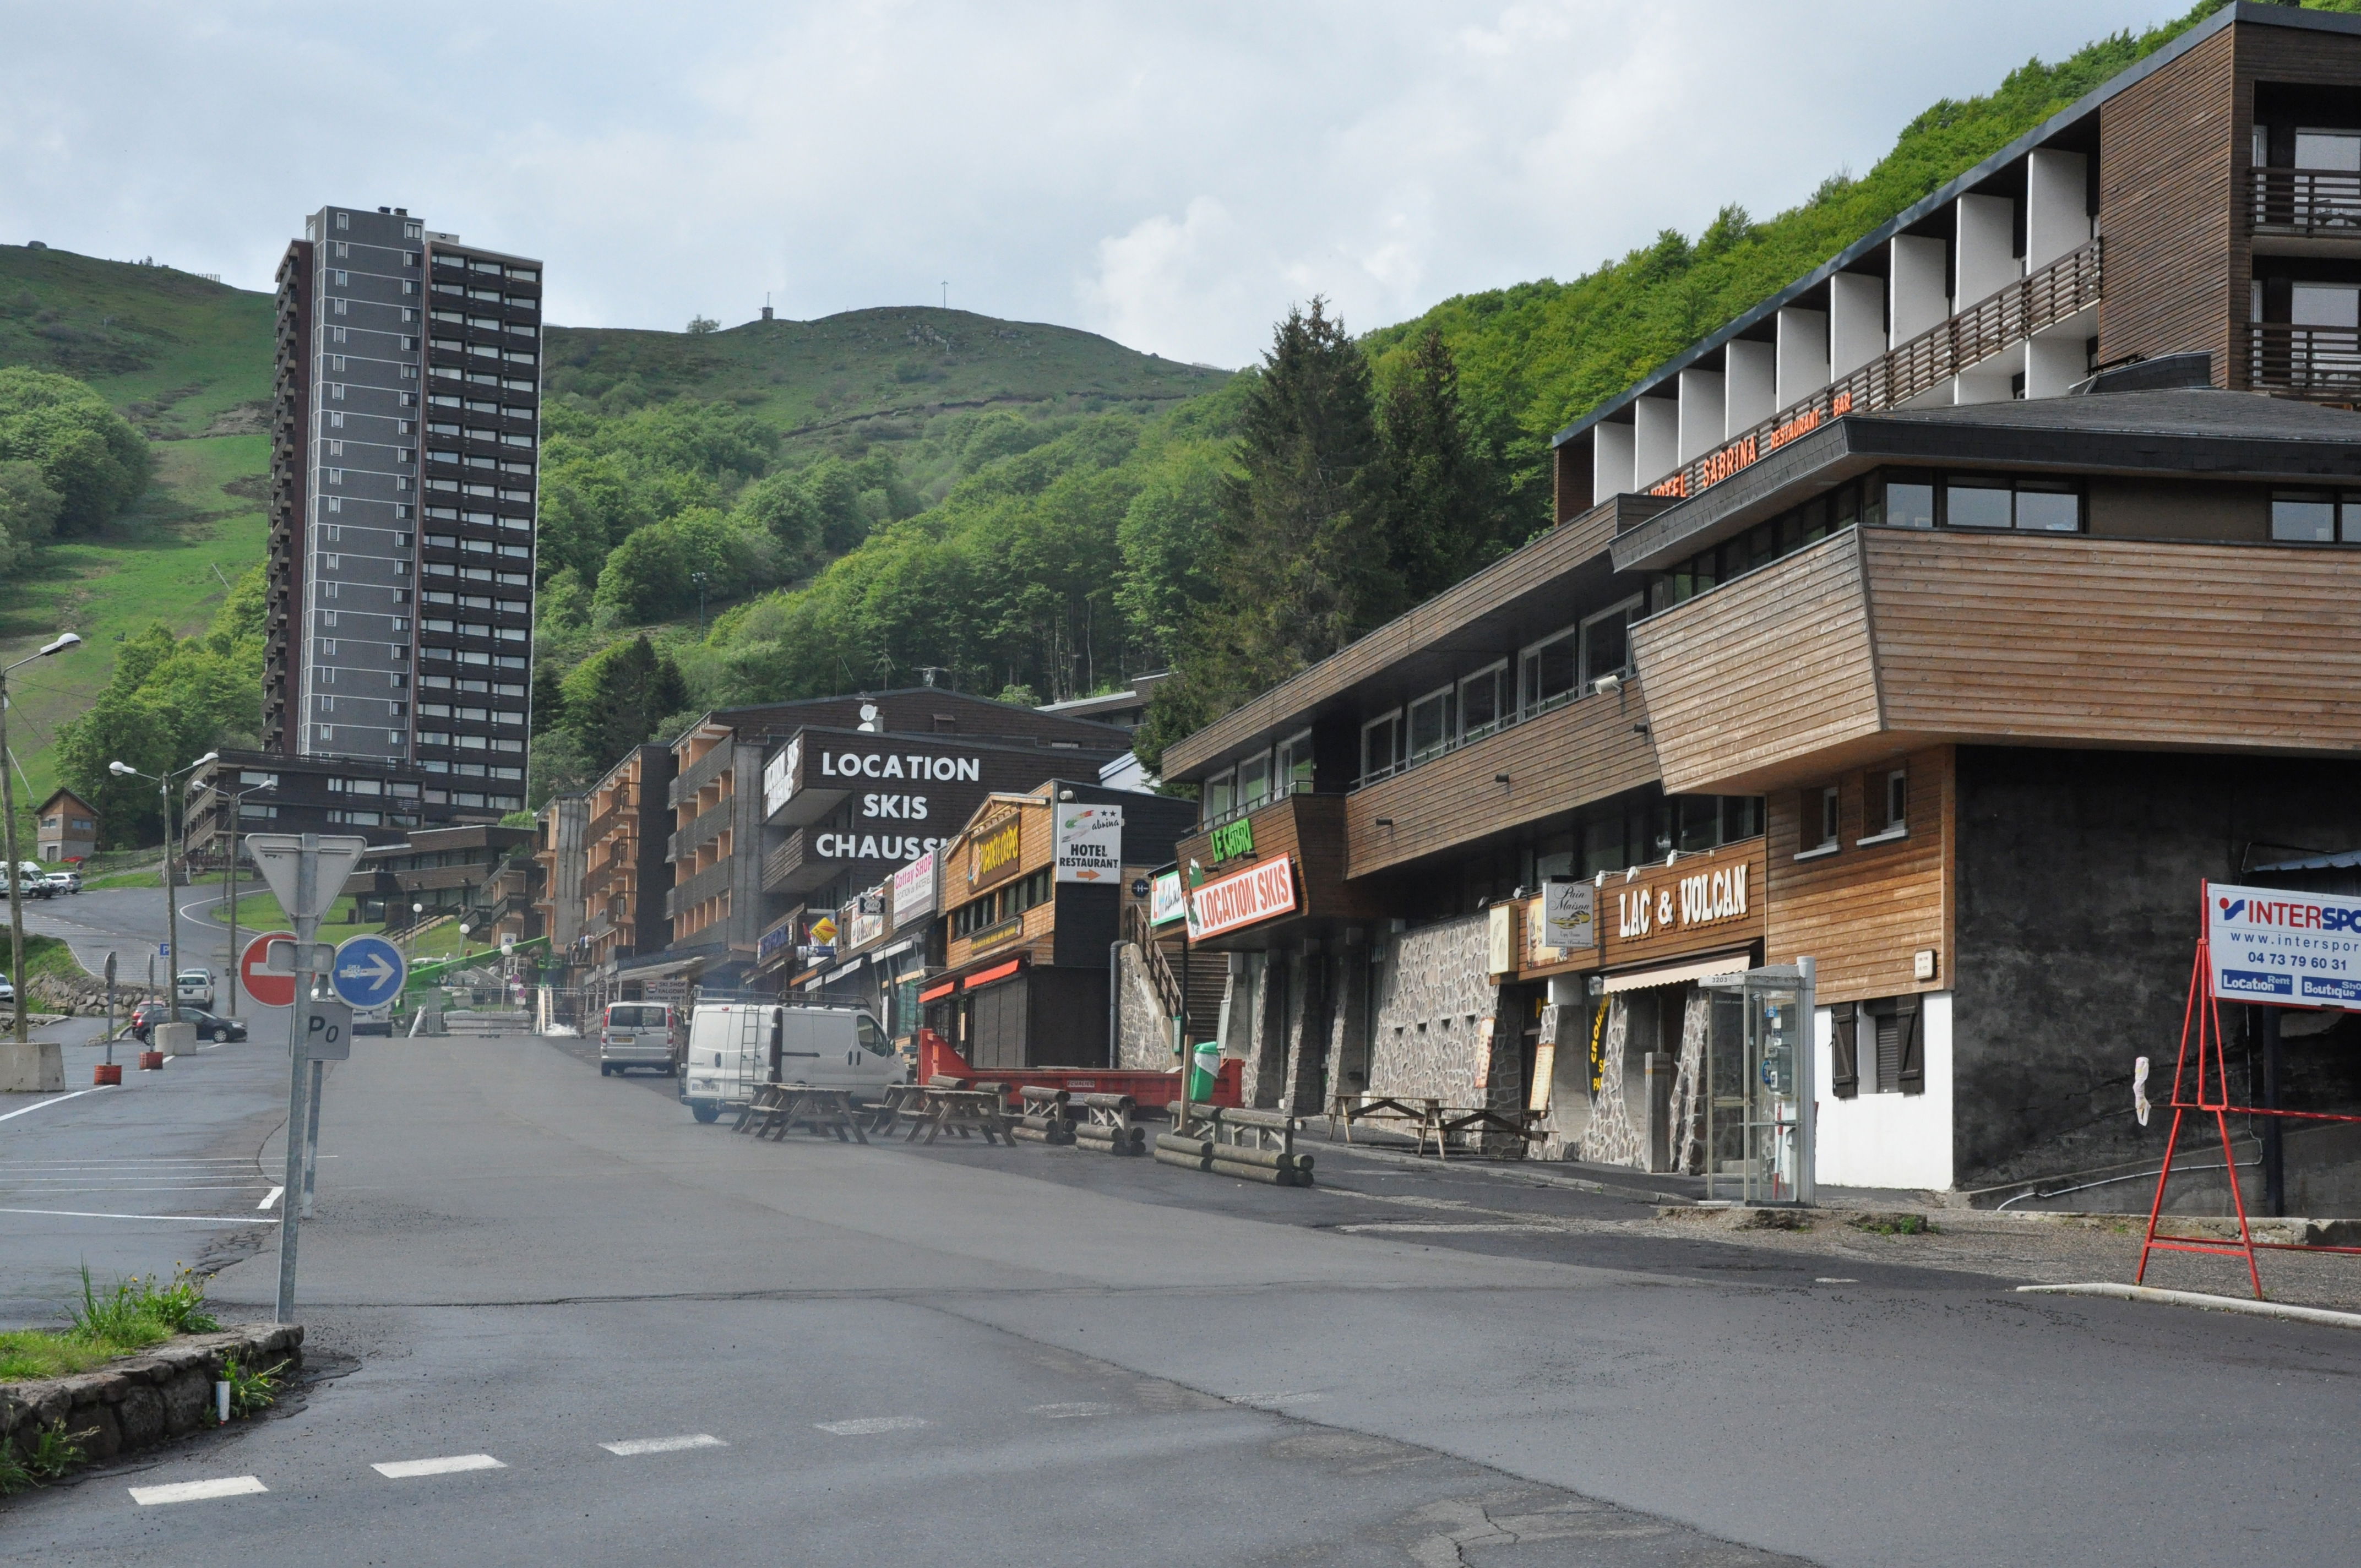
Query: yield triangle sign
point(280, 857)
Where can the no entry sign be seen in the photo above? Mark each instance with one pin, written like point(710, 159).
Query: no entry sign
point(270, 990)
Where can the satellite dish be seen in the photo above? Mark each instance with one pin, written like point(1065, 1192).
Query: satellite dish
point(868, 713)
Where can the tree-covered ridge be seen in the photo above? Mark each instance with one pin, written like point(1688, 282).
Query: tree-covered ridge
point(1535, 357)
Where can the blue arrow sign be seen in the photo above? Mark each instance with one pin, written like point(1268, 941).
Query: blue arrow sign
point(368, 971)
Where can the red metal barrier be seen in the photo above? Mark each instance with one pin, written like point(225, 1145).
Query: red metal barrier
point(938, 1058)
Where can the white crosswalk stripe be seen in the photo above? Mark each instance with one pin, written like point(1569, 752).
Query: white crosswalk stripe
point(196, 1491)
point(631, 1447)
point(864, 1425)
point(403, 1469)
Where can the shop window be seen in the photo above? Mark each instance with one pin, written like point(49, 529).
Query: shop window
point(1548, 672)
point(1430, 724)
point(1844, 1050)
point(1294, 770)
point(1742, 818)
point(1698, 822)
point(1482, 701)
point(1899, 1056)
point(1381, 746)
point(1607, 641)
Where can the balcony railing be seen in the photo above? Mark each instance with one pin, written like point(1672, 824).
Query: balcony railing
point(2310, 202)
point(2033, 302)
point(2316, 361)
point(782, 861)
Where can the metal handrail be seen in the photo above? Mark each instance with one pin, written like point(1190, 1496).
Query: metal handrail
point(2304, 202)
point(2282, 357)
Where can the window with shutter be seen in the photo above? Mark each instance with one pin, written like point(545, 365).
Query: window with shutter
point(1899, 1053)
point(1912, 1078)
point(1844, 1050)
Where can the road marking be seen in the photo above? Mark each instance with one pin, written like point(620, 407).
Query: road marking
point(1835, 1280)
point(1283, 1397)
point(192, 1219)
point(272, 1199)
point(867, 1424)
point(638, 1445)
point(1067, 1411)
point(45, 1105)
point(402, 1469)
point(196, 1491)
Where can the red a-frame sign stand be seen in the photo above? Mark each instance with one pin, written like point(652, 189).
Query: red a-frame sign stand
point(2202, 1018)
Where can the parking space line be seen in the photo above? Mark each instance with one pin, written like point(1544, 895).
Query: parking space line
point(403, 1469)
point(190, 1219)
point(196, 1491)
point(271, 1198)
point(12, 1115)
point(632, 1447)
point(864, 1425)
point(1068, 1410)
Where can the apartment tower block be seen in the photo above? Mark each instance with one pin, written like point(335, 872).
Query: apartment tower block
point(404, 464)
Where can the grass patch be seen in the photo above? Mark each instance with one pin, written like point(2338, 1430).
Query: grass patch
point(151, 876)
point(47, 955)
point(132, 1315)
point(1894, 1224)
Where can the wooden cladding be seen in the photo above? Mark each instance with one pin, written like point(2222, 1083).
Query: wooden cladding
point(2166, 192)
point(1587, 749)
point(1707, 902)
point(1773, 666)
point(1881, 641)
point(1865, 911)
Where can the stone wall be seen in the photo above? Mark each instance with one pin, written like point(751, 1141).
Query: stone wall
point(1439, 1033)
point(1145, 1043)
point(144, 1400)
point(1614, 1136)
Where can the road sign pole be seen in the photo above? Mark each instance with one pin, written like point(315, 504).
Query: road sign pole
point(311, 1135)
point(307, 931)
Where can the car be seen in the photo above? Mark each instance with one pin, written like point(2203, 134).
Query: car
point(210, 1025)
point(8, 992)
point(373, 1020)
point(638, 1034)
point(194, 985)
point(64, 882)
point(734, 1045)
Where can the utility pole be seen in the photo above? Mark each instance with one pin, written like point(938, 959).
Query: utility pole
point(171, 904)
point(8, 816)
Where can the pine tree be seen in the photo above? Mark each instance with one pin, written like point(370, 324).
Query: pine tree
point(1440, 516)
point(1304, 567)
point(615, 699)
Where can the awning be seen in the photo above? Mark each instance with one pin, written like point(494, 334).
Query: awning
point(663, 969)
point(1676, 974)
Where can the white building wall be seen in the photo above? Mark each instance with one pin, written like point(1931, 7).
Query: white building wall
point(1655, 440)
point(2056, 202)
point(2054, 364)
point(1803, 354)
point(1856, 321)
point(1611, 462)
point(1915, 286)
point(1889, 1140)
point(1750, 386)
point(1703, 414)
point(1985, 238)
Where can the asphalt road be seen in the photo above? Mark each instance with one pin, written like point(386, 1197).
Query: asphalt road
point(886, 1355)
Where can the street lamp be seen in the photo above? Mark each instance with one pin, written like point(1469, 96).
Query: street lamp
point(9, 814)
point(163, 783)
point(237, 818)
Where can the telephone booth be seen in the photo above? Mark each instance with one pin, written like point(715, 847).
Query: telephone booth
point(1758, 1103)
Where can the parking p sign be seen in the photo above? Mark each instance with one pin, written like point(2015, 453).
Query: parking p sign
point(2282, 948)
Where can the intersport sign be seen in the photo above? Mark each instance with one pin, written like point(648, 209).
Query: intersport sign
point(2291, 949)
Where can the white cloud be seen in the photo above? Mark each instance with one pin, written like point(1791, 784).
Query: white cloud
point(1172, 178)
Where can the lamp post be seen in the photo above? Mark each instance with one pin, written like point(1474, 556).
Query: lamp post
point(236, 816)
point(8, 815)
point(163, 783)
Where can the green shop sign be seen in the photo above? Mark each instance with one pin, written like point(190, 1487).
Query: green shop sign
point(1231, 839)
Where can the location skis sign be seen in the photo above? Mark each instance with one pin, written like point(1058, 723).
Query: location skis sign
point(368, 971)
point(2284, 949)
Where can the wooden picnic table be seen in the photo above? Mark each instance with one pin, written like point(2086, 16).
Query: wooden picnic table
point(933, 1111)
point(1429, 1118)
point(779, 1106)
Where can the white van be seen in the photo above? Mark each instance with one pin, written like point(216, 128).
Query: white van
point(734, 1045)
point(636, 1034)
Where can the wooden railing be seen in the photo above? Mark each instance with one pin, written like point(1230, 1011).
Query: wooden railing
point(2305, 201)
point(2037, 301)
point(2317, 361)
point(1138, 931)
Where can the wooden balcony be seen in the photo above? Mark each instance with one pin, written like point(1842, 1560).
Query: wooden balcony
point(1876, 641)
point(1582, 751)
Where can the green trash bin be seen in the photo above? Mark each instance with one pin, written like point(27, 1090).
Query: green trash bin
point(1205, 1066)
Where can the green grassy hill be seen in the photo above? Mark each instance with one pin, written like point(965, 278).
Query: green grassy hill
point(189, 361)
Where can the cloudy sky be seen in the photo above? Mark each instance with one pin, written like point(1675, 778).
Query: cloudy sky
point(1170, 175)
